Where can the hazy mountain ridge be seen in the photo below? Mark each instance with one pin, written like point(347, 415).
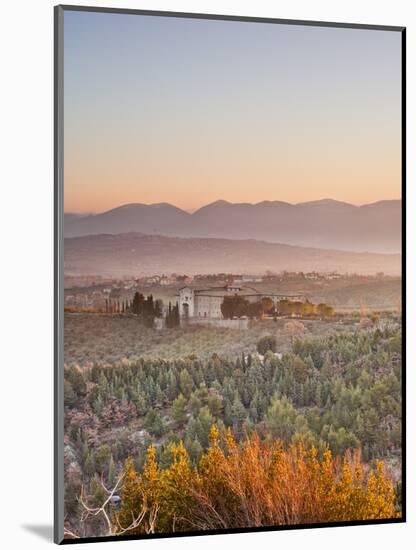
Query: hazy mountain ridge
point(136, 253)
point(324, 223)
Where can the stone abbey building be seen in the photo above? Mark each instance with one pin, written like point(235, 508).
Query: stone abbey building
point(206, 303)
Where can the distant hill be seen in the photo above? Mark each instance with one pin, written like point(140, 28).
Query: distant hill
point(325, 223)
point(136, 254)
point(159, 218)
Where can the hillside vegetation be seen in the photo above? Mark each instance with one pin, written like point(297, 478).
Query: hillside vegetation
point(335, 392)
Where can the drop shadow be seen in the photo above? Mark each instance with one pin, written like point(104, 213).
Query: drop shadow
point(44, 532)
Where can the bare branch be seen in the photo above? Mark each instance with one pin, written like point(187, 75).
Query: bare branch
point(69, 533)
point(101, 510)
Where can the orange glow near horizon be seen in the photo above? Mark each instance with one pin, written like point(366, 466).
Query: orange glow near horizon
point(250, 112)
point(94, 189)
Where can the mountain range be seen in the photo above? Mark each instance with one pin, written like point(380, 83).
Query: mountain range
point(137, 254)
point(326, 223)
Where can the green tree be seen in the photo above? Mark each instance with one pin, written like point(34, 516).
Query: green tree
point(186, 383)
point(154, 424)
point(238, 411)
point(179, 410)
point(299, 369)
point(281, 419)
point(255, 310)
point(112, 474)
point(267, 343)
point(234, 306)
point(138, 302)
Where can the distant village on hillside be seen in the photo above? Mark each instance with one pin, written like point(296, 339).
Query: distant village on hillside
point(200, 298)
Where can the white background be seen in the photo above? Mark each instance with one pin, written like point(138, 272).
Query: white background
point(26, 256)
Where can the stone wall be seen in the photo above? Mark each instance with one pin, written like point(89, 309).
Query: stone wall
point(238, 324)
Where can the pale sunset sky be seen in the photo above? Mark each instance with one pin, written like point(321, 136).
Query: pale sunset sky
point(188, 111)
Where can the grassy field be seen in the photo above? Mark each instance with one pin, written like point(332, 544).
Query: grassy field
point(99, 338)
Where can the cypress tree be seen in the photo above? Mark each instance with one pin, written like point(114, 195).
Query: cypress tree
point(111, 473)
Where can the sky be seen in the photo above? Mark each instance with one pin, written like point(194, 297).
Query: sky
point(187, 111)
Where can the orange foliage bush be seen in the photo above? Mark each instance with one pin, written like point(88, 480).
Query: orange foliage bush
point(251, 485)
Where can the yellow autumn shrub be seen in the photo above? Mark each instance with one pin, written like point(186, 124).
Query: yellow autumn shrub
point(253, 484)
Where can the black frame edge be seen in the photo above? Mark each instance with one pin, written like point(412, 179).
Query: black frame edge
point(185, 534)
point(224, 17)
point(404, 279)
